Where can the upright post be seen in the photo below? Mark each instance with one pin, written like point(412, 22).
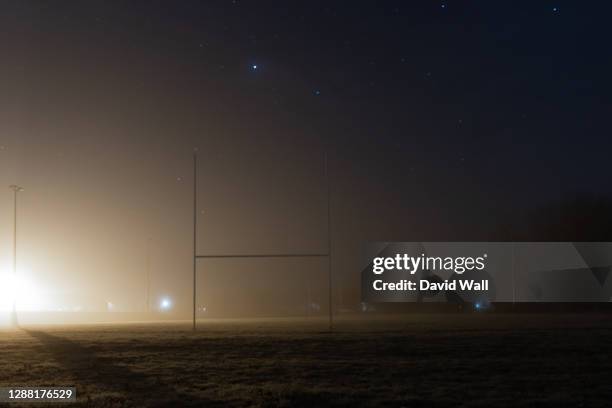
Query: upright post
point(16, 189)
point(148, 289)
point(195, 230)
point(14, 311)
point(329, 253)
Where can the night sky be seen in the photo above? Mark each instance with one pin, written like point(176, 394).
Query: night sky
point(440, 120)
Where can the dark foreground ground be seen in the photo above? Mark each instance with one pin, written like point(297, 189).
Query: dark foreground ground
point(422, 360)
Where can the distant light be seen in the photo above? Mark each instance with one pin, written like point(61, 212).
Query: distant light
point(555, 9)
point(443, 5)
point(254, 67)
point(165, 304)
point(317, 92)
point(477, 306)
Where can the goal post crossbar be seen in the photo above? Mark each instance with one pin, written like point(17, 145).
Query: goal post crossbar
point(261, 256)
point(196, 257)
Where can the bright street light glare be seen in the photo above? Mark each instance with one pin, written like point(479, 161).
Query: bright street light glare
point(22, 291)
point(165, 304)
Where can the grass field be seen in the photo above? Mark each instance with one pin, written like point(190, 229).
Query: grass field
point(421, 360)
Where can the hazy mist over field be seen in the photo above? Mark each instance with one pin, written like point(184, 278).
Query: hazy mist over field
point(103, 104)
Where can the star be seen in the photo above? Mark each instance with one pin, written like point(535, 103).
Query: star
point(555, 9)
point(317, 92)
point(443, 5)
point(254, 67)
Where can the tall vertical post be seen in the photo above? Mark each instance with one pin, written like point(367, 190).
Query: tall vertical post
point(16, 189)
point(329, 240)
point(148, 289)
point(513, 276)
point(195, 230)
point(14, 312)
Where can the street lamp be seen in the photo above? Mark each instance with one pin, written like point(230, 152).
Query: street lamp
point(16, 189)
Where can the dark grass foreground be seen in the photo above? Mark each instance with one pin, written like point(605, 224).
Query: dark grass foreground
point(426, 360)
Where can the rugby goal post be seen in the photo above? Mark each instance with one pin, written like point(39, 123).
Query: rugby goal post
point(327, 254)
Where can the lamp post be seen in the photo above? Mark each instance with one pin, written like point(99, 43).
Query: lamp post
point(16, 189)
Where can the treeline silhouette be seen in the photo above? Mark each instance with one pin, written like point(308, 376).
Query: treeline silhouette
point(578, 218)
